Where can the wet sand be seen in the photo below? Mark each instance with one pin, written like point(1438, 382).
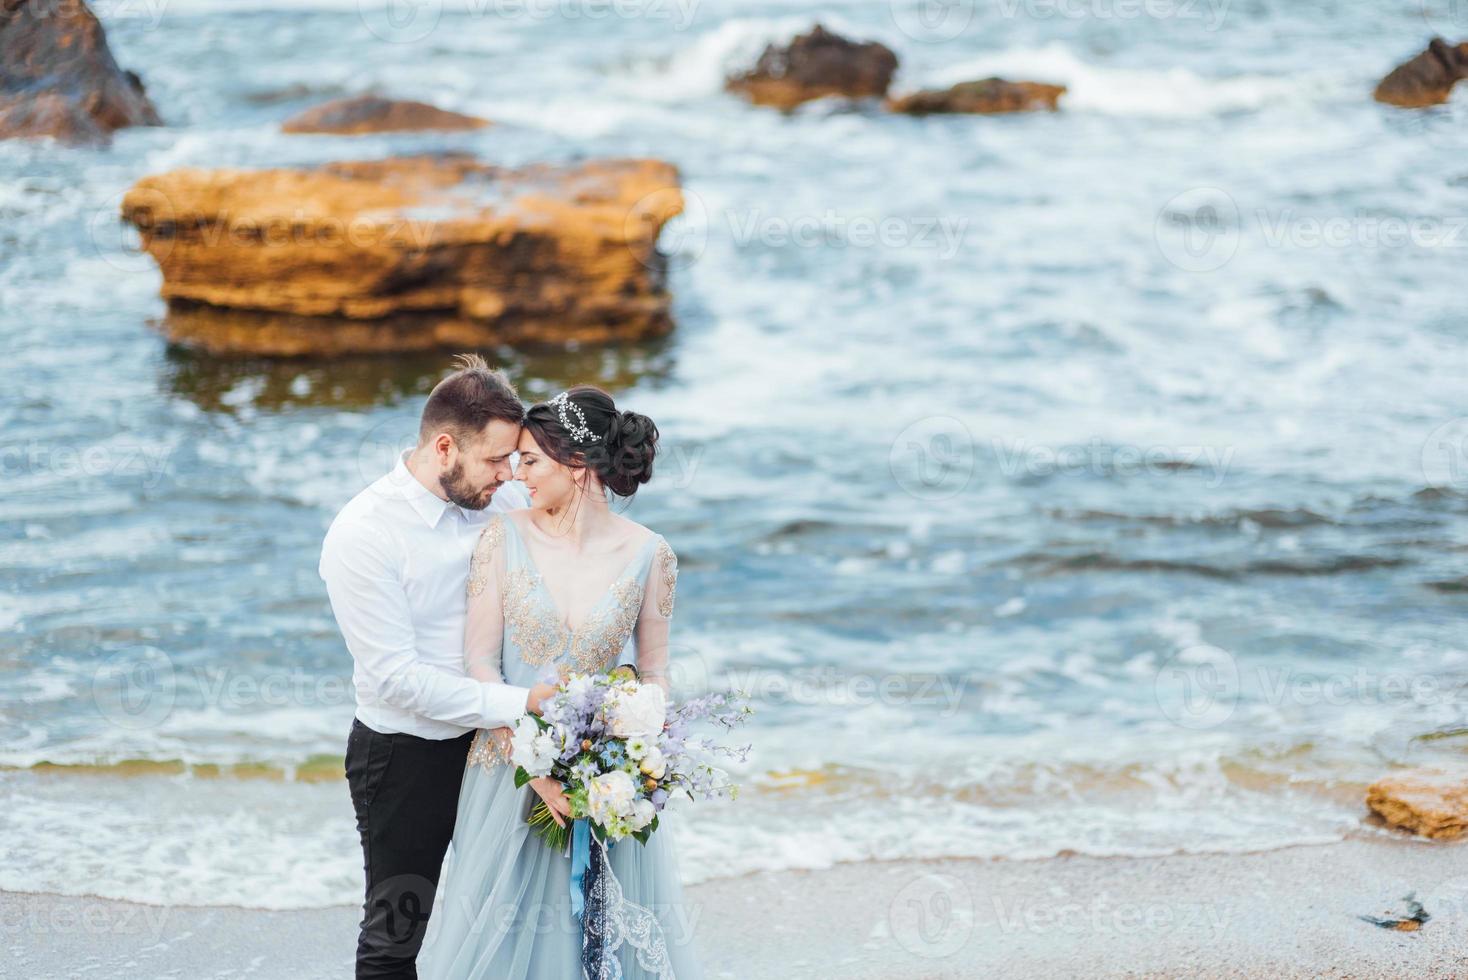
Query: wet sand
point(1276, 914)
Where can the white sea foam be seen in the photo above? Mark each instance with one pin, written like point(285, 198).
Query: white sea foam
point(1174, 92)
point(259, 844)
point(180, 841)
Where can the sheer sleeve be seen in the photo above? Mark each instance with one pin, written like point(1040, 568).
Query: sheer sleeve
point(484, 622)
point(655, 620)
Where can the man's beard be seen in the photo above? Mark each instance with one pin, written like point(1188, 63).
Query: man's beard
point(460, 491)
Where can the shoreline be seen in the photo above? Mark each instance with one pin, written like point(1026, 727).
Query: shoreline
point(1292, 912)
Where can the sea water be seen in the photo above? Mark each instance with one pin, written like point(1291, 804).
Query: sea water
point(1087, 481)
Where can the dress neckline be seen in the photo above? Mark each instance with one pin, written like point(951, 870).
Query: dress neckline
point(562, 622)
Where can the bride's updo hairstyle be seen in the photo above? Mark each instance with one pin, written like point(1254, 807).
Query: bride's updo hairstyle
point(582, 427)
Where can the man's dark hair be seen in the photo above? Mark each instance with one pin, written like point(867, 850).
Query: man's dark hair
point(469, 399)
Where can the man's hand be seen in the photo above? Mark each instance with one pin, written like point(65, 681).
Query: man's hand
point(537, 694)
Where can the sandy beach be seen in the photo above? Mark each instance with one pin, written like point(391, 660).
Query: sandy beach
point(1277, 914)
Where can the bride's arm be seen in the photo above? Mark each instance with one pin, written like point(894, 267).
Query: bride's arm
point(655, 620)
point(484, 622)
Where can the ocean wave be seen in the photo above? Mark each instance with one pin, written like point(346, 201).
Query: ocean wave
point(292, 844)
point(184, 739)
point(1171, 92)
point(1047, 563)
point(1265, 517)
point(699, 66)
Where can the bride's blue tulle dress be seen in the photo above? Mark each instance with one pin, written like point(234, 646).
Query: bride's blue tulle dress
point(503, 909)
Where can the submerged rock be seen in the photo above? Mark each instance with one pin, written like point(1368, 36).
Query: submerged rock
point(372, 114)
point(814, 66)
point(58, 77)
point(1427, 79)
point(1432, 804)
point(988, 95)
point(413, 253)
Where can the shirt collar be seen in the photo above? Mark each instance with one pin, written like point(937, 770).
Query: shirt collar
point(429, 505)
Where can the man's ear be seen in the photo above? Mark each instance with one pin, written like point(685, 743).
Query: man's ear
point(442, 443)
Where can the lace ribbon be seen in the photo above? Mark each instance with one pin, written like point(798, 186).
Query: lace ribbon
point(610, 920)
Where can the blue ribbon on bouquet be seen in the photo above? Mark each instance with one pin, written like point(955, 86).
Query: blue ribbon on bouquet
point(580, 861)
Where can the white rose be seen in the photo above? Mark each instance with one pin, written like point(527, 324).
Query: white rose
point(545, 749)
point(641, 712)
point(642, 813)
point(526, 747)
point(610, 794)
point(653, 763)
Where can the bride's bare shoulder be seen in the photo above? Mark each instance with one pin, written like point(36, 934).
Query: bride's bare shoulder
point(634, 532)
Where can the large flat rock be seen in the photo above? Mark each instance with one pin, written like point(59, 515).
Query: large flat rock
point(412, 253)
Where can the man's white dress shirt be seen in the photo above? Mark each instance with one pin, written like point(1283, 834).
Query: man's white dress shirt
point(396, 564)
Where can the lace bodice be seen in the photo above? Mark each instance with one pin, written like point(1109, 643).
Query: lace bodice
point(516, 633)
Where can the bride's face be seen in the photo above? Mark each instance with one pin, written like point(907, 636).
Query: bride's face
point(552, 485)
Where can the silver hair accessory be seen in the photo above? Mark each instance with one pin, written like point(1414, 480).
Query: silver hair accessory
point(580, 432)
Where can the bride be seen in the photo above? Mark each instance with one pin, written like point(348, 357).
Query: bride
point(564, 585)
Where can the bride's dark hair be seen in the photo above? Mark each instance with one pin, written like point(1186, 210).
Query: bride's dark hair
point(622, 445)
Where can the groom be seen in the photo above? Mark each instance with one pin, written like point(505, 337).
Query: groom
point(396, 562)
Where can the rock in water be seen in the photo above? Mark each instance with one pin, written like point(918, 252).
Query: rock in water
point(986, 95)
point(58, 77)
point(814, 66)
point(1427, 79)
point(1431, 804)
point(405, 254)
point(371, 114)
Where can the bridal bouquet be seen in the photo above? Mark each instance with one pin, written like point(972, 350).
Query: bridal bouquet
point(622, 753)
